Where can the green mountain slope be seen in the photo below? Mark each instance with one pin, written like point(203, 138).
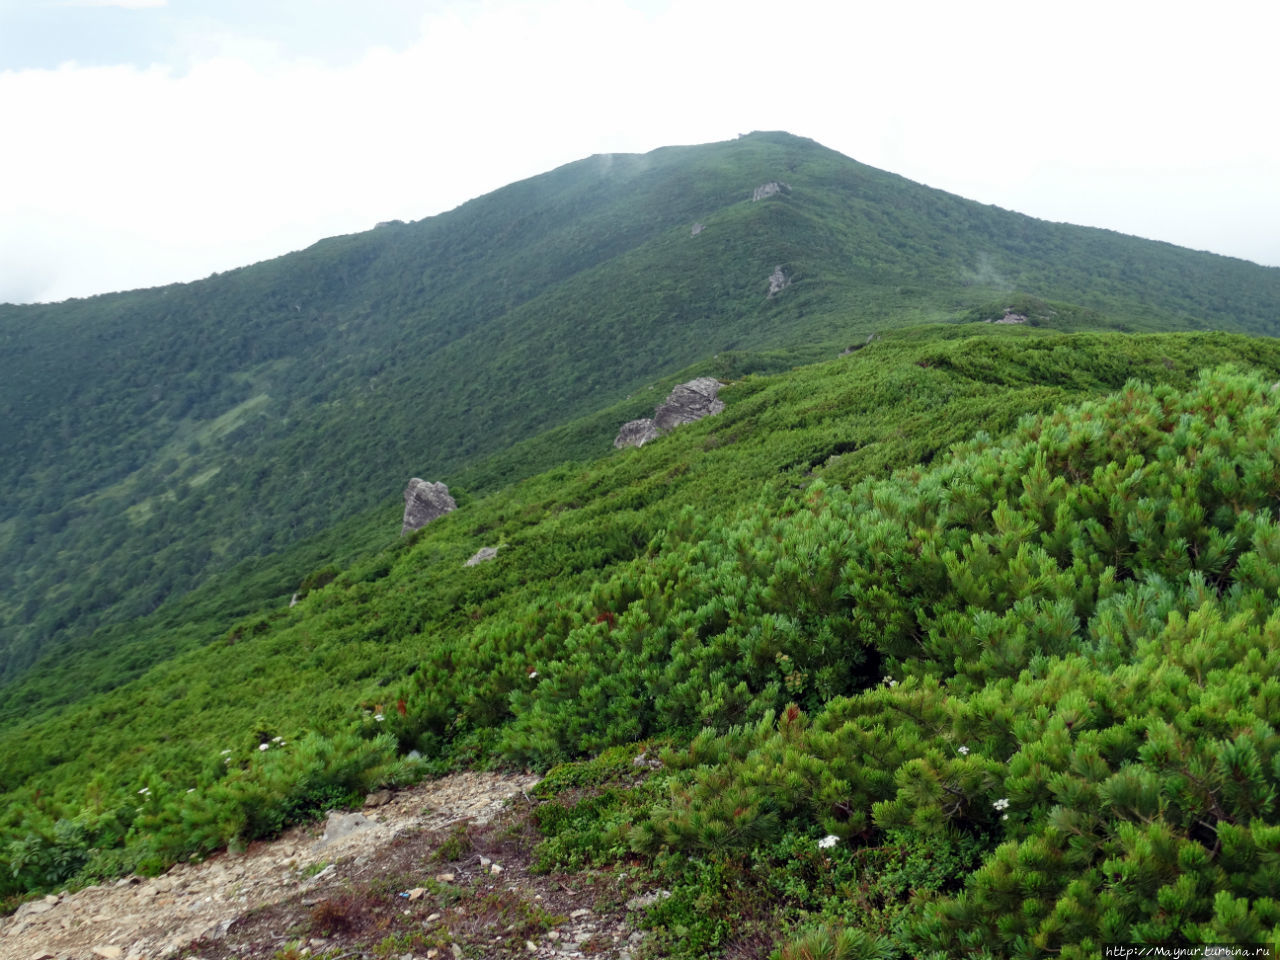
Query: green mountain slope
point(827, 620)
point(157, 437)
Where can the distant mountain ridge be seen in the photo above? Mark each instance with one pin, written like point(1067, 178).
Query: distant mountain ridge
point(155, 437)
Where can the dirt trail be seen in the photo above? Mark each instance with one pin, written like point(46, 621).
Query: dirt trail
point(140, 918)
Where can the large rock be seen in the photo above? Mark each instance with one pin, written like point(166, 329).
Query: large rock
point(636, 433)
point(423, 502)
point(687, 402)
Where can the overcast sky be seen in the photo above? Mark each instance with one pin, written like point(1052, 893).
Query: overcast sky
point(147, 141)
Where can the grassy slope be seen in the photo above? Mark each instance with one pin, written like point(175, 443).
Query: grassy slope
point(412, 622)
point(245, 413)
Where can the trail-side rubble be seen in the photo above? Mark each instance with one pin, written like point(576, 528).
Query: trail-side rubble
point(208, 909)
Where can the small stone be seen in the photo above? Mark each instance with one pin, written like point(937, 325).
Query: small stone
point(444, 878)
point(495, 869)
point(432, 918)
point(531, 946)
point(416, 892)
point(647, 899)
point(42, 955)
point(579, 914)
point(109, 952)
point(378, 798)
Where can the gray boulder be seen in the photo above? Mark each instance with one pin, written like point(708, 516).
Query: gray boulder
point(423, 502)
point(686, 403)
point(689, 402)
point(481, 555)
point(636, 433)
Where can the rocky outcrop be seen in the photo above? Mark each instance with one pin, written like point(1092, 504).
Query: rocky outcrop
point(686, 403)
point(481, 555)
point(636, 433)
point(423, 502)
point(778, 281)
point(697, 229)
point(689, 402)
point(769, 189)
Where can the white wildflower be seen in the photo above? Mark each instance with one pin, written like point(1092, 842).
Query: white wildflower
point(827, 842)
point(1001, 804)
point(225, 752)
point(264, 746)
point(964, 751)
point(145, 790)
point(378, 717)
point(1004, 816)
point(532, 674)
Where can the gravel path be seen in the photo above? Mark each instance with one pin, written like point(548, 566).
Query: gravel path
point(140, 918)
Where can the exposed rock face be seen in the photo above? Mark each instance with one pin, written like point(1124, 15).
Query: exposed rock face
point(636, 433)
point(687, 402)
point(778, 281)
point(697, 229)
point(423, 502)
point(768, 190)
point(481, 555)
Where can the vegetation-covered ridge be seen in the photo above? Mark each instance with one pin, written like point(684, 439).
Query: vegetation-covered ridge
point(155, 439)
point(1018, 699)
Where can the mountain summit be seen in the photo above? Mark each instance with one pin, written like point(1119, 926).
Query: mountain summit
point(157, 437)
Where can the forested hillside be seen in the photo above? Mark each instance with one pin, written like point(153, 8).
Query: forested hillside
point(961, 644)
point(154, 440)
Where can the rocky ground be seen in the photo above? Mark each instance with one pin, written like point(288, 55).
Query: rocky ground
point(438, 871)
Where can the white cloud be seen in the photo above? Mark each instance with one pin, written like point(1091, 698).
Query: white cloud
point(127, 4)
point(239, 150)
